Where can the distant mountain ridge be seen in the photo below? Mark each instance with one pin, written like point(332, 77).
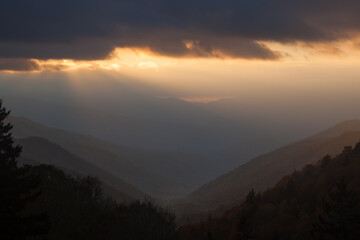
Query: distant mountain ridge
point(170, 124)
point(157, 173)
point(264, 171)
point(336, 130)
point(36, 150)
point(167, 124)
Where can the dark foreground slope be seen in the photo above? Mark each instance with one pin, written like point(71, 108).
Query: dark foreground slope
point(321, 201)
point(38, 150)
point(264, 171)
point(77, 209)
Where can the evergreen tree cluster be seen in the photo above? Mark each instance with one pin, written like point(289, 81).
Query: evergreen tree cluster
point(18, 187)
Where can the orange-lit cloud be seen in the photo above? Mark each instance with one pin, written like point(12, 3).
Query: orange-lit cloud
point(125, 59)
point(118, 59)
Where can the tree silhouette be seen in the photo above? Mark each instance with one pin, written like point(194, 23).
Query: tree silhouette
point(340, 217)
point(251, 197)
point(17, 188)
point(244, 229)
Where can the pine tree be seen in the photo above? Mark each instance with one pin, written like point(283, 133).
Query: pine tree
point(18, 187)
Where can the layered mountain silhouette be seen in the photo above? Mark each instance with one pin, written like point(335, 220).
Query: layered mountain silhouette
point(158, 173)
point(37, 150)
point(172, 174)
point(264, 171)
point(169, 123)
point(153, 123)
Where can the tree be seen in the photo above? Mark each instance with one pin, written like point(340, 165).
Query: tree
point(340, 216)
point(18, 187)
point(324, 162)
point(251, 197)
point(244, 229)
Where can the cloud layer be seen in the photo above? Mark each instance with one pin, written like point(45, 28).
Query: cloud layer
point(90, 29)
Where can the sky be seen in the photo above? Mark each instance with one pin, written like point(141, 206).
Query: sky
point(269, 55)
point(92, 30)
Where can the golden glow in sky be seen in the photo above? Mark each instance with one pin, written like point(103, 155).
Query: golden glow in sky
point(211, 79)
point(129, 59)
point(119, 59)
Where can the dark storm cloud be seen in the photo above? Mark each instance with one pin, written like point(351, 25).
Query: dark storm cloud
point(18, 64)
point(89, 29)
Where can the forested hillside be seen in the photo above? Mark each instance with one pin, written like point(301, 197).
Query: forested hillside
point(42, 202)
point(321, 201)
point(266, 170)
point(76, 208)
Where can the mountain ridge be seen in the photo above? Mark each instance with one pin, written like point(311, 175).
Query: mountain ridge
point(265, 170)
point(42, 151)
point(155, 172)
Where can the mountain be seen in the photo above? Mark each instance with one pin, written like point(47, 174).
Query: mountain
point(158, 173)
point(320, 201)
point(169, 124)
point(154, 123)
point(264, 171)
point(241, 152)
point(38, 150)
